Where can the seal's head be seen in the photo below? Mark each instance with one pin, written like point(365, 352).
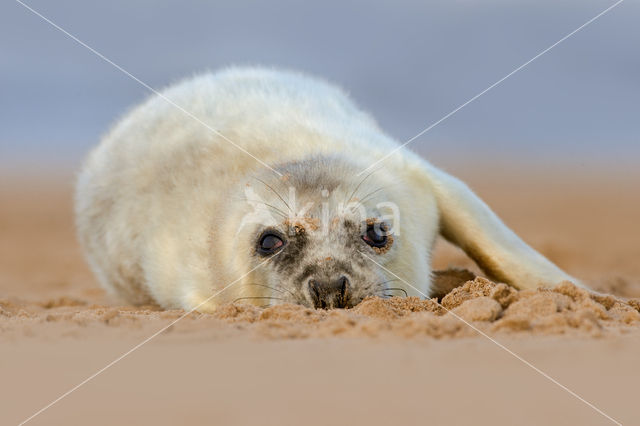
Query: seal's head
point(319, 235)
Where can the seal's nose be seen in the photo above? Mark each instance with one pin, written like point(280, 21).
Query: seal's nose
point(329, 294)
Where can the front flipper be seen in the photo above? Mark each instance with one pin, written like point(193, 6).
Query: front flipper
point(469, 223)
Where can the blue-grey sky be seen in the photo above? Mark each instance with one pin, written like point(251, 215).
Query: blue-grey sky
point(407, 62)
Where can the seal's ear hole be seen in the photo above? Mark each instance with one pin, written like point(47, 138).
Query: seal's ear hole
point(270, 242)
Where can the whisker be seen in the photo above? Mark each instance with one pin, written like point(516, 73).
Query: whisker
point(274, 191)
point(363, 199)
point(257, 297)
point(277, 210)
point(280, 290)
point(379, 284)
point(398, 289)
point(369, 196)
point(359, 184)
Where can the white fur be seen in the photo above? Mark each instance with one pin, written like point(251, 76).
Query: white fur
point(153, 192)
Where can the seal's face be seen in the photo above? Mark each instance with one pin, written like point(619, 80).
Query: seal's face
point(319, 238)
point(324, 269)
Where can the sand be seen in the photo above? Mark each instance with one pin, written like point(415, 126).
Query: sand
point(478, 305)
point(386, 360)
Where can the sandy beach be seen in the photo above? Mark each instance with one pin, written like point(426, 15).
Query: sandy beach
point(488, 354)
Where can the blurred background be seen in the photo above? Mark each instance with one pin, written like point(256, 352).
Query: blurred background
point(407, 62)
point(552, 149)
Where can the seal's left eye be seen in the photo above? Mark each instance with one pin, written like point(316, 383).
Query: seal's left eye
point(269, 243)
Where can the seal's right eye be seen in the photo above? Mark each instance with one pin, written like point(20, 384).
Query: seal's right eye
point(374, 238)
point(269, 243)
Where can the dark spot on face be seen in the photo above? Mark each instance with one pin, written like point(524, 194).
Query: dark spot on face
point(351, 226)
point(353, 230)
point(292, 253)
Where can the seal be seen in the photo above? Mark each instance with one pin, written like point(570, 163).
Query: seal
point(257, 184)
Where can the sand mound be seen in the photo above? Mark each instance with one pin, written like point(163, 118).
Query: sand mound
point(475, 305)
point(478, 303)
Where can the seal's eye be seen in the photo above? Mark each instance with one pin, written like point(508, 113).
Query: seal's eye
point(375, 237)
point(269, 243)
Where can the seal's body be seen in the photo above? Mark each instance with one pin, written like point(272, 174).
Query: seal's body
point(260, 180)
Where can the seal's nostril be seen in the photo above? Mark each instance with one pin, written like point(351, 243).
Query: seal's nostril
point(314, 289)
point(330, 293)
point(343, 283)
